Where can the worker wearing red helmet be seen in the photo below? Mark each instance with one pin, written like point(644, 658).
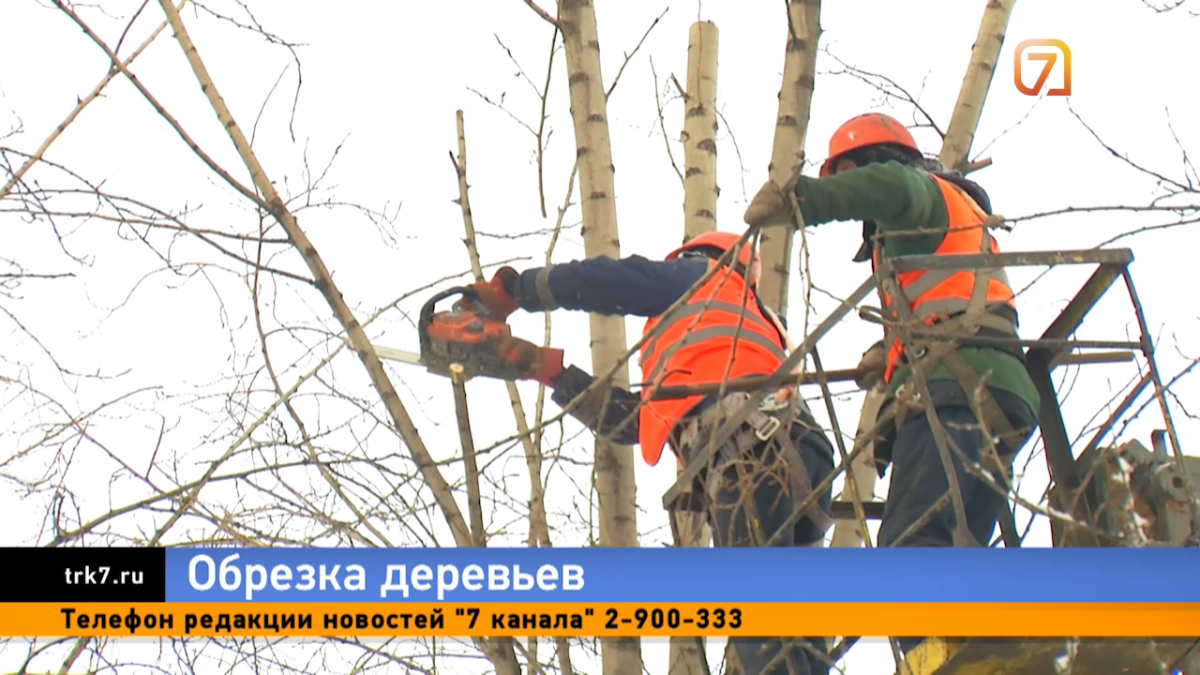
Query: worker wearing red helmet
point(750, 488)
point(909, 206)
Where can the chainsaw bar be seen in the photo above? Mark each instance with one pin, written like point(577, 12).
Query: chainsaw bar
point(398, 355)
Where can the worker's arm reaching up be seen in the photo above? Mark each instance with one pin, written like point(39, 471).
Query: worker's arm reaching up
point(632, 286)
point(903, 205)
point(899, 205)
point(895, 196)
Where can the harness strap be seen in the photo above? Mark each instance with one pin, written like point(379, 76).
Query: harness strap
point(977, 304)
point(990, 220)
point(946, 353)
point(986, 324)
point(997, 422)
point(971, 322)
point(802, 487)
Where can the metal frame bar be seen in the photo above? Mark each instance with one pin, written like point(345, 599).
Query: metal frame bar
point(850, 374)
point(1043, 352)
point(912, 263)
point(1059, 458)
point(1161, 396)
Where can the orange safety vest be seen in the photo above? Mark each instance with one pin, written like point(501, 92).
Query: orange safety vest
point(695, 346)
point(934, 295)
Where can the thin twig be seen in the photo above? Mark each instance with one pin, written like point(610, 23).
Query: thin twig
point(83, 103)
point(538, 523)
point(358, 339)
point(631, 54)
point(542, 13)
point(462, 411)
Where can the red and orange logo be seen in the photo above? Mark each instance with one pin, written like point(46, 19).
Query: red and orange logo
point(1050, 58)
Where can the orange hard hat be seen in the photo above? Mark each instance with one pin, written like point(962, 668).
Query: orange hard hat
point(747, 257)
point(864, 130)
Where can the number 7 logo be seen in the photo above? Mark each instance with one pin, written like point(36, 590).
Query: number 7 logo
point(1050, 58)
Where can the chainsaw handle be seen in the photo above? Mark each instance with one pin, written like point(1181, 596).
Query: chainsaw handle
point(427, 310)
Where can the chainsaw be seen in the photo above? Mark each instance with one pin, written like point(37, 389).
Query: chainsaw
point(463, 335)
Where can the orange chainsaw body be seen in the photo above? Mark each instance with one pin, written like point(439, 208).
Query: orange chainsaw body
point(463, 335)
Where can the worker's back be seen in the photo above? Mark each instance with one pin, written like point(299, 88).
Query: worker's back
point(719, 333)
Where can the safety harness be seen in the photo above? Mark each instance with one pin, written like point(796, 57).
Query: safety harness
point(772, 421)
point(941, 340)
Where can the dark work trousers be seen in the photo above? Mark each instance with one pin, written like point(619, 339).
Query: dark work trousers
point(919, 479)
point(761, 481)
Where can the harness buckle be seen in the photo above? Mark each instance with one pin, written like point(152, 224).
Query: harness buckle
point(907, 394)
point(767, 430)
point(771, 403)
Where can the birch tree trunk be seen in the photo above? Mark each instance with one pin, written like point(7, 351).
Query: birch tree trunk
point(787, 153)
point(700, 189)
point(846, 532)
point(700, 193)
point(614, 463)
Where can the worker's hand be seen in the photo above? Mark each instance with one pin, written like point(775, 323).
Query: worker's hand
point(771, 203)
point(496, 295)
point(541, 364)
point(873, 364)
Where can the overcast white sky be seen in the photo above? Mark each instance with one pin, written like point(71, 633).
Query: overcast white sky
point(381, 81)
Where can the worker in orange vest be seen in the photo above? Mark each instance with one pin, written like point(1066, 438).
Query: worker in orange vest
point(722, 331)
point(910, 206)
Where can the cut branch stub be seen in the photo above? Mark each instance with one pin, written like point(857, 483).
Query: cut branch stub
point(969, 107)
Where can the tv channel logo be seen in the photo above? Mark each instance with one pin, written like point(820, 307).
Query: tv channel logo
point(1050, 58)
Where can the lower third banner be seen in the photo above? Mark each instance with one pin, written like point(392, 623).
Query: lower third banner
point(567, 619)
point(301, 592)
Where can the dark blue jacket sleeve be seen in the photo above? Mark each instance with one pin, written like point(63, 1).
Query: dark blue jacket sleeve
point(633, 286)
point(616, 417)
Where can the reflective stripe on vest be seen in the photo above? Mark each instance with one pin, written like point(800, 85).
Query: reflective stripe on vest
point(696, 345)
point(937, 294)
point(692, 309)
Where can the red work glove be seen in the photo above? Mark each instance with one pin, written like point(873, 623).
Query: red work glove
point(496, 295)
point(536, 363)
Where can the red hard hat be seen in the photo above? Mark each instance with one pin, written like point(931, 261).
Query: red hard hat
point(723, 240)
point(864, 130)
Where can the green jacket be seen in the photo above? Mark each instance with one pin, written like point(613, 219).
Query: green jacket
point(901, 199)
